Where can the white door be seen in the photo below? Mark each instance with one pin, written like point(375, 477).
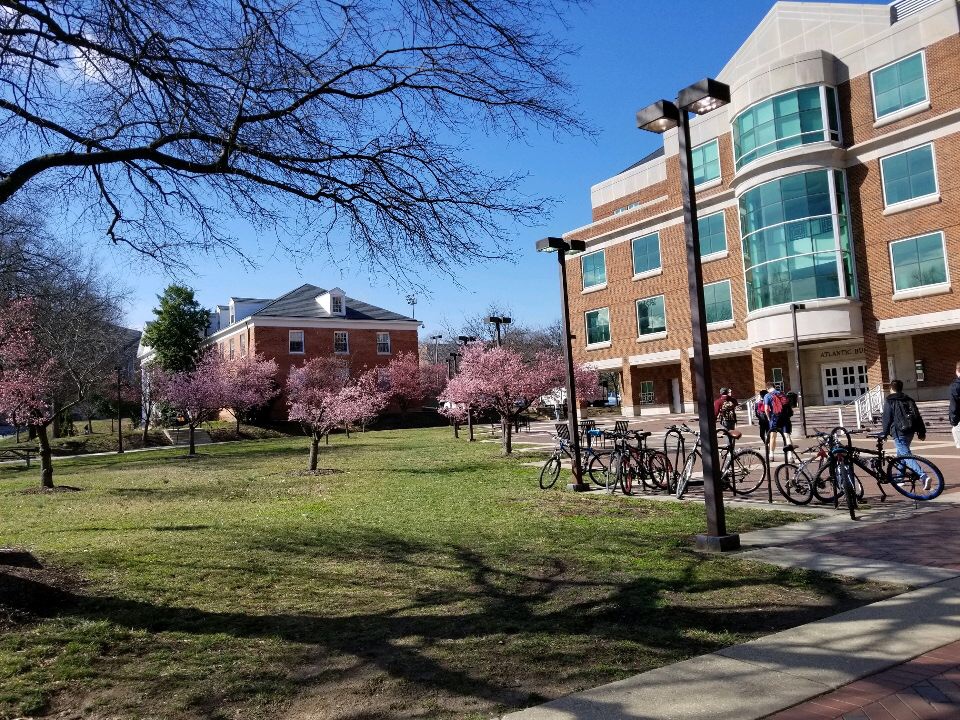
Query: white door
point(843, 382)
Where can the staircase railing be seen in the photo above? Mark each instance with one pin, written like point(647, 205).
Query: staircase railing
point(869, 405)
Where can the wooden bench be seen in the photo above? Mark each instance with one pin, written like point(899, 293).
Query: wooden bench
point(20, 452)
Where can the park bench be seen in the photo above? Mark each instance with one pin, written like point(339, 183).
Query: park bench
point(19, 452)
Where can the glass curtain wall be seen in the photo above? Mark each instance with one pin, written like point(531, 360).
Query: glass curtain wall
point(796, 240)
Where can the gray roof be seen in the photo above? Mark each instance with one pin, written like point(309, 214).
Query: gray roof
point(302, 303)
point(647, 158)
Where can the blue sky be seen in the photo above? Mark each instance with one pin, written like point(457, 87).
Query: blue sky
point(632, 52)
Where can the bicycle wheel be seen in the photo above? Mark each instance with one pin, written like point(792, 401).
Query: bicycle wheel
point(902, 473)
point(849, 490)
point(685, 475)
point(659, 470)
point(597, 471)
point(612, 477)
point(549, 473)
point(824, 489)
point(794, 484)
point(747, 472)
point(628, 474)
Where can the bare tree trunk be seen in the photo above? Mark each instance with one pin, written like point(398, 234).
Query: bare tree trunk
point(55, 425)
point(146, 423)
point(237, 416)
point(347, 427)
point(507, 433)
point(326, 437)
point(193, 446)
point(314, 450)
point(46, 460)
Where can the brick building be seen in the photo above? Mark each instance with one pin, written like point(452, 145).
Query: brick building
point(826, 181)
point(305, 323)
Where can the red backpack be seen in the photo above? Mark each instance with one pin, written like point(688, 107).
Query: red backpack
point(778, 401)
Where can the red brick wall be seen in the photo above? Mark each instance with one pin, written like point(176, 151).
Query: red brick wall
point(939, 353)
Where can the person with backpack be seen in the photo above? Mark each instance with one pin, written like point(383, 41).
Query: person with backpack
point(725, 409)
point(901, 420)
point(955, 407)
point(759, 411)
point(774, 405)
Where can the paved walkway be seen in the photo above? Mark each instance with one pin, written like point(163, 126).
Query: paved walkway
point(894, 659)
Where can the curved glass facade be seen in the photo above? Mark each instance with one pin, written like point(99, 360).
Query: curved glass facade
point(798, 117)
point(796, 240)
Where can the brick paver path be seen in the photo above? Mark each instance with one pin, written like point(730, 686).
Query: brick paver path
point(925, 688)
point(929, 539)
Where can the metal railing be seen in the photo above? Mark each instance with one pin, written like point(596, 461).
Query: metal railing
point(869, 405)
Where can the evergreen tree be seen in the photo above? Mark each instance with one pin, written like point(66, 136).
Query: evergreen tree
point(177, 331)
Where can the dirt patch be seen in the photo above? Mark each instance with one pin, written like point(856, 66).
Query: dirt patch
point(51, 491)
point(27, 594)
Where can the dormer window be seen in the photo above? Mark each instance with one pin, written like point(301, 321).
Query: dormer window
point(336, 305)
point(332, 302)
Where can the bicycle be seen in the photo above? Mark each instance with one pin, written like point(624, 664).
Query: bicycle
point(911, 475)
point(738, 468)
point(840, 467)
point(590, 460)
point(674, 447)
point(629, 462)
point(794, 481)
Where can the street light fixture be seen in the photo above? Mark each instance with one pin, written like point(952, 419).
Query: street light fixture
point(796, 356)
point(464, 340)
point(119, 414)
point(436, 348)
point(412, 302)
point(499, 320)
point(700, 98)
point(562, 247)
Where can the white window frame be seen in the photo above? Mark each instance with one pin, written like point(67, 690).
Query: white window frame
point(346, 337)
point(598, 286)
point(660, 334)
point(720, 324)
point(652, 272)
point(334, 300)
point(726, 241)
point(652, 395)
point(920, 290)
point(909, 109)
point(586, 330)
point(712, 182)
point(230, 344)
point(389, 346)
point(303, 342)
point(243, 345)
point(917, 201)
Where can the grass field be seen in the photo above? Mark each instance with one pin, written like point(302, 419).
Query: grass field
point(420, 577)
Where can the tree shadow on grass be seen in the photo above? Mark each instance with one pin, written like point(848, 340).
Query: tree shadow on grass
point(491, 633)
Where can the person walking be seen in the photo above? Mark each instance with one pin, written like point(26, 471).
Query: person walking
point(759, 410)
point(774, 406)
point(901, 420)
point(725, 409)
point(955, 407)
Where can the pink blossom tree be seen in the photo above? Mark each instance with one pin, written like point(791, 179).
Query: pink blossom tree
point(198, 394)
point(249, 382)
point(412, 383)
point(27, 378)
point(322, 397)
point(502, 380)
point(364, 399)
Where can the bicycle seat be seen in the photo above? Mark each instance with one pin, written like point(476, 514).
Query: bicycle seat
point(642, 434)
point(736, 434)
point(876, 436)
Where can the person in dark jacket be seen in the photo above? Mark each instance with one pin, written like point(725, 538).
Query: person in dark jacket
point(955, 407)
point(901, 421)
point(761, 415)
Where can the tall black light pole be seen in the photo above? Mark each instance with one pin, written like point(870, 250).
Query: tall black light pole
point(452, 367)
point(412, 302)
point(498, 320)
point(796, 354)
point(562, 247)
point(464, 340)
point(436, 348)
point(119, 415)
point(699, 98)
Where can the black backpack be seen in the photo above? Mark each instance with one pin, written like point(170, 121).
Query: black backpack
point(905, 416)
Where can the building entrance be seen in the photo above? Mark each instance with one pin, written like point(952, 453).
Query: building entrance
point(843, 382)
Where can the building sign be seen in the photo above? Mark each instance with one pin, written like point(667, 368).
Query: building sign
point(842, 354)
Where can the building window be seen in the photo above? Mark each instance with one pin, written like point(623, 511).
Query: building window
point(646, 253)
point(646, 392)
point(243, 346)
point(341, 343)
point(719, 305)
point(899, 86)
point(383, 343)
point(598, 326)
point(706, 162)
point(296, 342)
point(233, 318)
point(796, 240)
point(713, 234)
point(918, 262)
point(336, 304)
point(777, 378)
point(594, 268)
point(794, 118)
point(908, 175)
point(651, 316)
point(231, 349)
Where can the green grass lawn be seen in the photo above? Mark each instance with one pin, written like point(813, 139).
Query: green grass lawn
point(425, 577)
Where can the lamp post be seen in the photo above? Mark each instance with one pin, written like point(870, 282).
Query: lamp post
point(412, 302)
point(436, 348)
point(452, 367)
point(498, 320)
point(562, 247)
point(464, 339)
point(119, 415)
point(796, 355)
point(699, 98)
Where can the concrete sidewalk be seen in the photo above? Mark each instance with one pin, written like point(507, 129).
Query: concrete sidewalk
point(771, 674)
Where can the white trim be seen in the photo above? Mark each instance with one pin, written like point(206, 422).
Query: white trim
point(606, 364)
point(636, 206)
point(922, 291)
point(663, 357)
point(593, 288)
point(648, 274)
point(652, 336)
point(389, 342)
point(726, 349)
point(933, 322)
point(341, 352)
point(719, 255)
point(586, 329)
point(633, 263)
point(721, 325)
point(303, 342)
point(709, 184)
point(902, 294)
point(339, 324)
point(920, 200)
point(599, 345)
point(926, 130)
point(902, 112)
point(598, 286)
